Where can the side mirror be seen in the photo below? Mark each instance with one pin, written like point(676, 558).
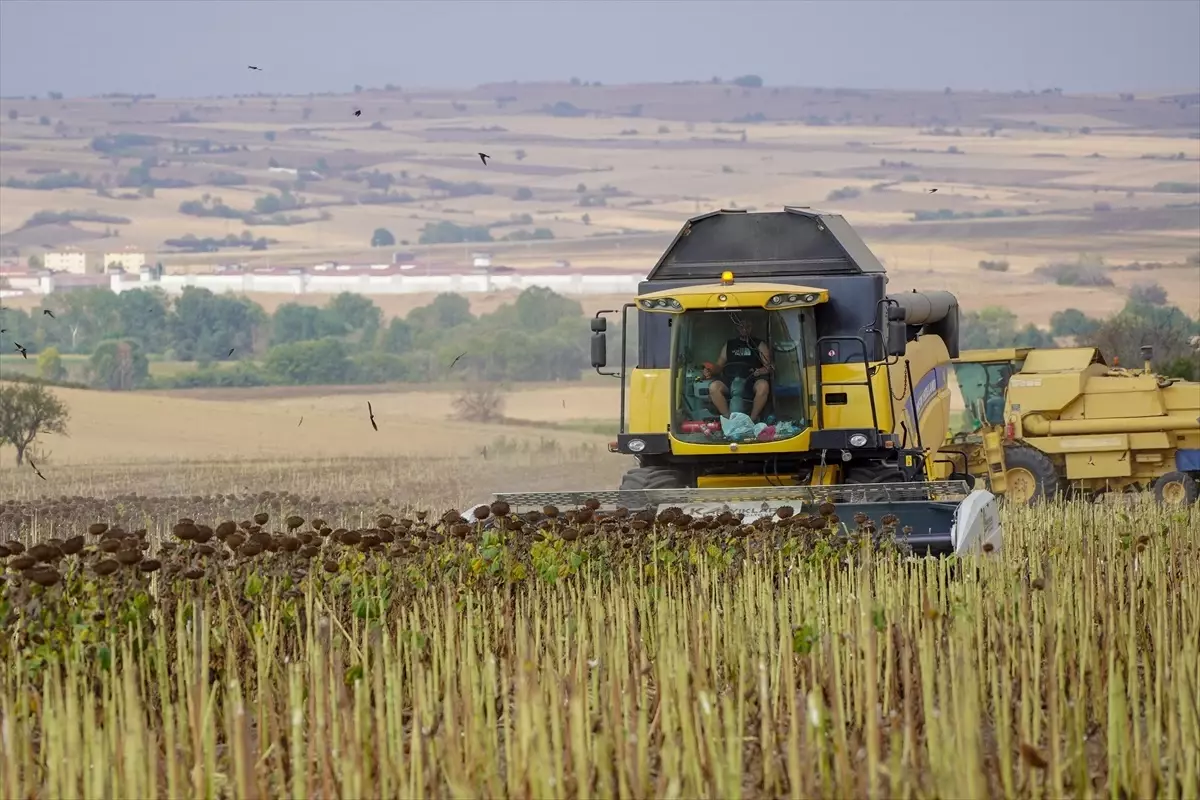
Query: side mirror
point(599, 324)
point(897, 331)
point(599, 346)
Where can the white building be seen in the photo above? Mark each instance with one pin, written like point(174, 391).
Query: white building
point(70, 260)
point(129, 260)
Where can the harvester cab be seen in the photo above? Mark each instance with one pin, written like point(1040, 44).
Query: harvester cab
point(774, 367)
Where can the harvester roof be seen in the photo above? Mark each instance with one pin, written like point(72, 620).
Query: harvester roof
point(795, 242)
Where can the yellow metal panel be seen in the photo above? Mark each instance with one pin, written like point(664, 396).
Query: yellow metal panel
point(647, 402)
point(1098, 465)
point(1182, 397)
point(856, 413)
point(743, 481)
point(1130, 403)
point(826, 475)
point(994, 355)
point(743, 295)
point(1157, 440)
point(1059, 359)
point(1044, 392)
point(1108, 443)
point(797, 443)
point(993, 447)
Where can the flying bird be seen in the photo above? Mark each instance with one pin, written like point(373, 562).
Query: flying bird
point(35, 469)
point(227, 355)
point(371, 411)
point(301, 422)
point(258, 69)
point(931, 191)
point(358, 113)
point(24, 353)
point(483, 157)
point(455, 361)
point(49, 313)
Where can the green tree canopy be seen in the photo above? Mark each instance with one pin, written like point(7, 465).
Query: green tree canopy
point(324, 361)
point(118, 365)
point(206, 325)
point(50, 366)
point(26, 410)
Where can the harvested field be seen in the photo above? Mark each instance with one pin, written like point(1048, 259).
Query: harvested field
point(320, 649)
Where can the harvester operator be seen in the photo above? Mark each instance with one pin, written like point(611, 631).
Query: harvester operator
point(742, 357)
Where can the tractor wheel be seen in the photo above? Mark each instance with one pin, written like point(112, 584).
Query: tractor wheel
point(640, 478)
point(874, 473)
point(1176, 489)
point(1031, 475)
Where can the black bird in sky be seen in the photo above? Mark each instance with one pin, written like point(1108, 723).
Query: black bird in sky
point(49, 313)
point(931, 191)
point(455, 361)
point(358, 113)
point(35, 469)
point(301, 422)
point(24, 353)
point(483, 157)
point(258, 69)
point(227, 355)
point(371, 411)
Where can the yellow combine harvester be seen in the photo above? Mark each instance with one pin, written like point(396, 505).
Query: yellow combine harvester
point(773, 367)
point(1048, 421)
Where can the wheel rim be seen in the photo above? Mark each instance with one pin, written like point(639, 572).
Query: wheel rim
point(1022, 485)
point(1174, 493)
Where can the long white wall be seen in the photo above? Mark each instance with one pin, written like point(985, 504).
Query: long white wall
point(316, 283)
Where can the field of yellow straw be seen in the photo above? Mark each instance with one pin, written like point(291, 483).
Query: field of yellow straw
point(313, 651)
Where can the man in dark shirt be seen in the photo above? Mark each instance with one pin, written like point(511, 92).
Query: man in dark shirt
point(753, 358)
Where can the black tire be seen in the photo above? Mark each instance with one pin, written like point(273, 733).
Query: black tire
point(874, 473)
point(639, 479)
point(970, 480)
point(1182, 485)
point(653, 478)
point(1046, 482)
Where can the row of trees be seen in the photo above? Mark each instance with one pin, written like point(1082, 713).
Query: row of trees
point(1146, 319)
point(538, 337)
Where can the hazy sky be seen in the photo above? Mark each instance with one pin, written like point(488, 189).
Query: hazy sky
point(181, 47)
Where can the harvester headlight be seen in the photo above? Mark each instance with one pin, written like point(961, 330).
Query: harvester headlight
point(776, 300)
point(647, 303)
point(636, 445)
point(793, 298)
point(858, 440)
point(810, 298)
point(673, 303)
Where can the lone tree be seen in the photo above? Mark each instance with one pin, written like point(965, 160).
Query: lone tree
point(27, 410)
point(382, 237)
